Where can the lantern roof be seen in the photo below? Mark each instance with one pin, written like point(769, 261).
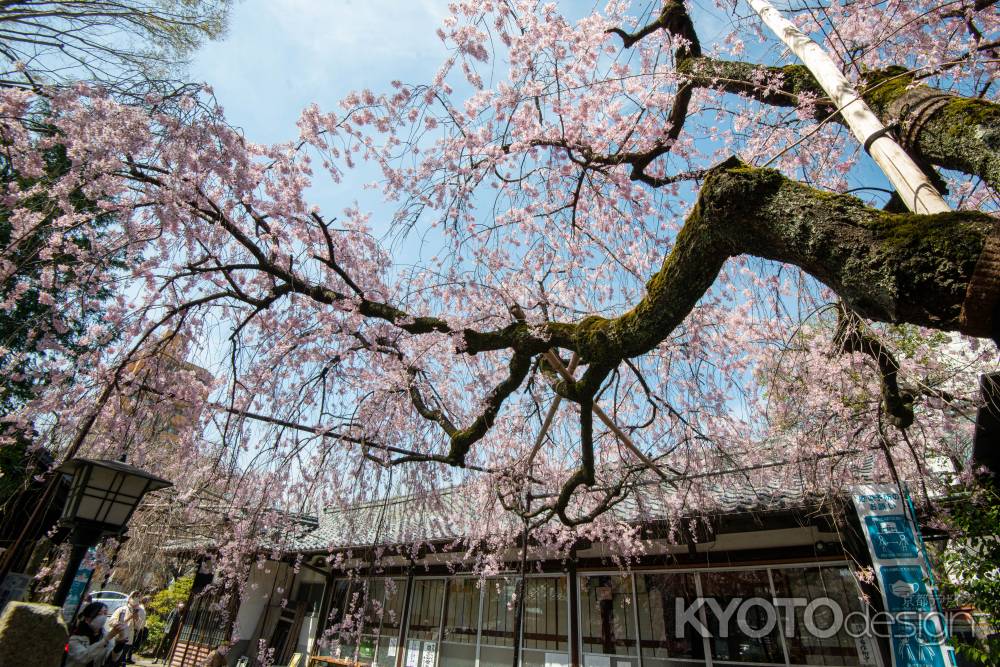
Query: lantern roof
point(70, 466)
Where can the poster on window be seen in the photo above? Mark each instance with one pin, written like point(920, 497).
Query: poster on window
point(429, 656)
point(917, 634)
point(413, 653)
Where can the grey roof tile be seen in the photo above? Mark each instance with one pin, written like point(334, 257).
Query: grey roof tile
point(450, 514)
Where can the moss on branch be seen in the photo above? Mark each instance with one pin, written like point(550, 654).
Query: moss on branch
point(777, 86)
point(892, 267)
point(945, 130)
point(887, 266)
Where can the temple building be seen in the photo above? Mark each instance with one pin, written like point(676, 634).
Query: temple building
point(355, 591)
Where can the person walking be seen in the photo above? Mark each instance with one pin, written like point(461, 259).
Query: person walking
point(140, 630)
point(132, 617)
point(89, 645)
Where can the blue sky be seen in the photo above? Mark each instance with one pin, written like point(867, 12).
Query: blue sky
point(281, 55)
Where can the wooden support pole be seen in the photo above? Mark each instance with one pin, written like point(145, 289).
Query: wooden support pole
point(910, 182)
point(550, 415)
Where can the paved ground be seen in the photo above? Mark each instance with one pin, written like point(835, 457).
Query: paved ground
point(141, 661)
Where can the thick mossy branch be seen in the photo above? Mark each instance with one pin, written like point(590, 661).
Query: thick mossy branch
point(945, 130)
point(920, 269)
point(888, 267)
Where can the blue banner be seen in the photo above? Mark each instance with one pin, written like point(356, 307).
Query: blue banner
point(917, 634)
point(79, 586)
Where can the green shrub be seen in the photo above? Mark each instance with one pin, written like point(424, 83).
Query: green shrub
point(973, 561)
point(159, 608)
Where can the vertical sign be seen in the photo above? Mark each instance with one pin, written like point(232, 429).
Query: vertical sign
point(79, 585)
point(916, 631)
point(429, 656)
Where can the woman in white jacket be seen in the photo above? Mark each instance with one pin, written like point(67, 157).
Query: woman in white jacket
point(89, 645)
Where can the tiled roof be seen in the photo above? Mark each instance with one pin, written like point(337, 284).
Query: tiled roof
point(298, 527)
point(400, 520)
point(452, 513)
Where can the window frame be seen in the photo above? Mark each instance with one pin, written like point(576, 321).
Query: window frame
point(708, 661)
point(520, 630)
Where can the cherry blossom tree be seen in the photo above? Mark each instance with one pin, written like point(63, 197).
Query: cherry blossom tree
point(624, 263)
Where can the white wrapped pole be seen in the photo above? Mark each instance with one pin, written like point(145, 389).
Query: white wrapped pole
point(917, 192)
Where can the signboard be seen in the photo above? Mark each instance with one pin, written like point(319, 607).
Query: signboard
point(867, 653)
point(891, 536)
point(78, 587)
point(917, 635)
point(430, 654)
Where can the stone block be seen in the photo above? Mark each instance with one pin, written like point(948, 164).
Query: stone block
point(32, 634)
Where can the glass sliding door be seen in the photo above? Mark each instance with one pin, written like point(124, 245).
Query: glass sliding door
point(480, 620)
point(382, 601)
point(625, 620)
point(661, 641)
point(345, 611)
point(374, 591)
point(496, 639)
point(838, 586)
point(607, 621)
point(545, 635)
point(387, 636)
point(461, 623)
point(728, 641)
point(424, 625)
